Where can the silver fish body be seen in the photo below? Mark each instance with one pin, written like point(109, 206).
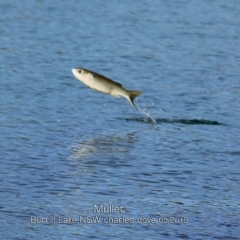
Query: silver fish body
point(103, 84)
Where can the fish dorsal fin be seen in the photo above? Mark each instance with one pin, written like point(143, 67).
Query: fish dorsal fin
point(99, 75)
point(120, 85)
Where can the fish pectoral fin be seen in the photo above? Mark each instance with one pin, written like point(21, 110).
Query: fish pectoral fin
point(95, 90)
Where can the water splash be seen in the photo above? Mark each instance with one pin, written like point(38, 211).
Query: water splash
point(143, 109)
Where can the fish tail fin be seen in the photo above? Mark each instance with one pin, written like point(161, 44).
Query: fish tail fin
point(132, 95)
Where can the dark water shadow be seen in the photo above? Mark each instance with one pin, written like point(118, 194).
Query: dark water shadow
point(174, 121)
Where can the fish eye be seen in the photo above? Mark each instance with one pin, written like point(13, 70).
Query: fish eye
point(80, 71)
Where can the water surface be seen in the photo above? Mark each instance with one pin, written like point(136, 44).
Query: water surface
point(65, 148)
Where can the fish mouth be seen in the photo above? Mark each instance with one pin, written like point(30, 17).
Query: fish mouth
point(75, 72)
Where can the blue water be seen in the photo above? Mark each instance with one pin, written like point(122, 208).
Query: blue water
point(65, 148)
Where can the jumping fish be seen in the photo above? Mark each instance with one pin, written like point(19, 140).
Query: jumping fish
point(103, 84)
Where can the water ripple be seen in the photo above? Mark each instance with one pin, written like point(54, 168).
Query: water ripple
point(173, 121)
